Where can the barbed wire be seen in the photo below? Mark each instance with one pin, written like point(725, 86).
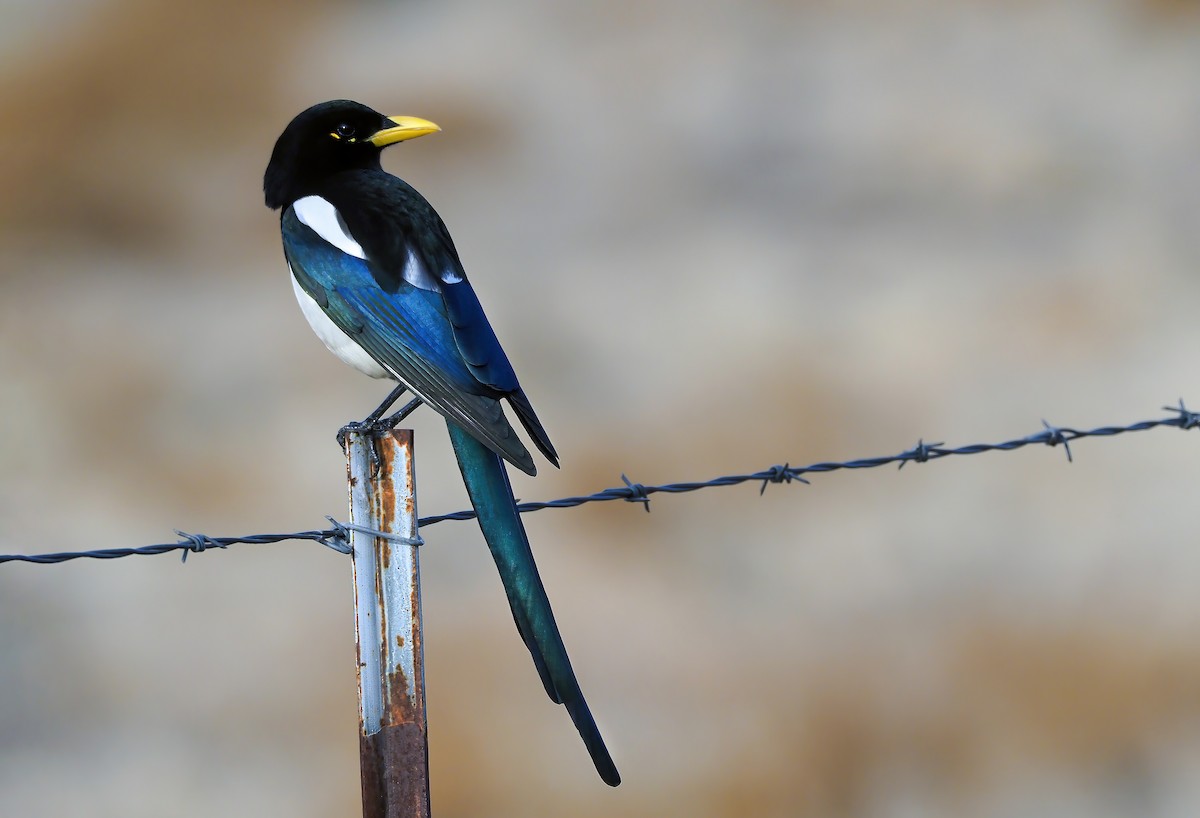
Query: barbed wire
point(337, 536)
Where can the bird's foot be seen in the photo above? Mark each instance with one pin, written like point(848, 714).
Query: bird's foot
point(352, 426)
point(369, 424)
point(372, 425)
point(367, 427)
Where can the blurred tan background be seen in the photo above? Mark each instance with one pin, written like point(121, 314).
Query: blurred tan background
point(713, 237)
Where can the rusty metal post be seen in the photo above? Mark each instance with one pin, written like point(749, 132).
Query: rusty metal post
point(387, 611)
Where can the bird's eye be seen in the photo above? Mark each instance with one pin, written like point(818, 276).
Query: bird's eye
point(345, 130)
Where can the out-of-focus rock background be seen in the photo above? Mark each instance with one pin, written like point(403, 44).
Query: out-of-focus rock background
point(713, 237)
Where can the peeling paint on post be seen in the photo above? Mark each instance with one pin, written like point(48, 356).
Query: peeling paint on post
point(393, 731)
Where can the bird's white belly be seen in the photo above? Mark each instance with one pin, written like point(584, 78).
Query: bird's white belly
point(338, 342)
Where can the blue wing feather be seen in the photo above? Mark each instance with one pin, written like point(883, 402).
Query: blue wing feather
point(476, 339)
point(407, 331)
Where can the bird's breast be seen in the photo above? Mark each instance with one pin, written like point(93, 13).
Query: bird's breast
point(338, 342)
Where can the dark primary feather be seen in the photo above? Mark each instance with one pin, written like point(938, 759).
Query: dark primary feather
point(483, 354)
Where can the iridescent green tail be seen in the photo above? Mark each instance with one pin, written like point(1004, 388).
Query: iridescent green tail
point(487, 484)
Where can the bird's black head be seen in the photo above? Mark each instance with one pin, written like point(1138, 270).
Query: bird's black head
point(328, 138)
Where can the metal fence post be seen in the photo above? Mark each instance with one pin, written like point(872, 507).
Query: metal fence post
point(387, 611)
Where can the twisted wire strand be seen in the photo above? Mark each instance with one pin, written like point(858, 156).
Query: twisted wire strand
point(337, 536)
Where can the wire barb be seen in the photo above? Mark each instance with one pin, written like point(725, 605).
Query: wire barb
point(1053, 436)
point(1187, 419)
point(196, 544)
point(338, 537)
point(637, 493)
point(921, 453)
point(779, 474)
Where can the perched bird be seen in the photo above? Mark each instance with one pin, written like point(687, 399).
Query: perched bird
point(379, 280)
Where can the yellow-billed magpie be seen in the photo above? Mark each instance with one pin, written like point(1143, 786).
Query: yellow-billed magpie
point(381, 284)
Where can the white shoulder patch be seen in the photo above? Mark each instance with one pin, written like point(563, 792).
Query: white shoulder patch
point(416, 273)
point(320, 215)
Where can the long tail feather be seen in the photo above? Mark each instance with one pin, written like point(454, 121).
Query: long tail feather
point(487, 484)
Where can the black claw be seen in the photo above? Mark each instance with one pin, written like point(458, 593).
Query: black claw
point(376, 457)
point(352, 426)
point(369, 429)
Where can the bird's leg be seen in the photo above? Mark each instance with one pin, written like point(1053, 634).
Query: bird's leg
point(371, 422)
point(393, 396)
point(374, 425)
point(408, 409)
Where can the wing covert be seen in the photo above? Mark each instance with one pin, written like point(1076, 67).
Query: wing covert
point(407, 331)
